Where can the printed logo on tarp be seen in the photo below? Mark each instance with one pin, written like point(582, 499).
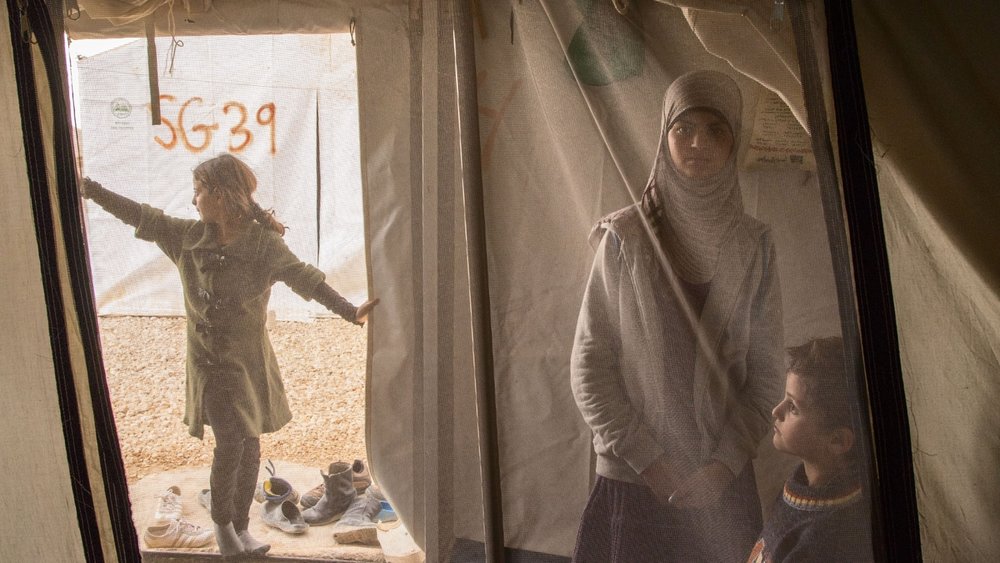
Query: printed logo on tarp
point(121, 108)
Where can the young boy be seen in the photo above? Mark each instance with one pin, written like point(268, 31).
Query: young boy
point(823, 512)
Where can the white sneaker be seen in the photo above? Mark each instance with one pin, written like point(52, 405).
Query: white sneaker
point(177, 533)
point(169, 506)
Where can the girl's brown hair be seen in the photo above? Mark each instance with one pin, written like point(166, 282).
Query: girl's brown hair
point(235, 182)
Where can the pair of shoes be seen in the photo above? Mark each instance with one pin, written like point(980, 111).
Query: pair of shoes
point(283, 515)
point(176, 533)
point(169, 505)
point(338, 493)
point(357, 525)
point(274, 488)
point(284, 518)
point(278, 499)
point(359, 477)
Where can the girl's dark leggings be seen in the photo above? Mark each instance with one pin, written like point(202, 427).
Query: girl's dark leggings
point(235, 464)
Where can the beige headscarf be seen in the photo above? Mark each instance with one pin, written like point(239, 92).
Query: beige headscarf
point(692, 217)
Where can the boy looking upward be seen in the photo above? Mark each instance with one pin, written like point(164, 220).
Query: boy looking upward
point(823, 514)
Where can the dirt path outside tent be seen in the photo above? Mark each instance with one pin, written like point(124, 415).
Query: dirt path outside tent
point(322, 363)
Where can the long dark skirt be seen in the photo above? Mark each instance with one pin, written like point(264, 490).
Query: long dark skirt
point(624, 523)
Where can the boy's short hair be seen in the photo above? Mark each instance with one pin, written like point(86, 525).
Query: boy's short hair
point(819, 363)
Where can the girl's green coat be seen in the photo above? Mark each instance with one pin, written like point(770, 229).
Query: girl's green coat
point(226, 291)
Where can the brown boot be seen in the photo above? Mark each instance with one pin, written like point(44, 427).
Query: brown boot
point(359, 476)
point(337, 497)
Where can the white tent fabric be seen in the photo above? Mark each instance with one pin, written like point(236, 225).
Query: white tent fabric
point(557, 154)
point(297, 129)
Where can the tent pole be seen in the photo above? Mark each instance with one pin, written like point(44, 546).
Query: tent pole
point(894, 504)
point(420, 462)
point(154, 80)
point(475, 229)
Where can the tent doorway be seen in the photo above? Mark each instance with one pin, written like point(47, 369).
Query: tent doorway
point(287, 106)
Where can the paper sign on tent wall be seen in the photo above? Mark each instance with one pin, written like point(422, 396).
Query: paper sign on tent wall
point(255, 109)
point(777, 139)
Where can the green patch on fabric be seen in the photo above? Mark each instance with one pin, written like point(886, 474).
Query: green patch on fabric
point(607, 47)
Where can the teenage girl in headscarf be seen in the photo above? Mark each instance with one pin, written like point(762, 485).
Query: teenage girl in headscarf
point(228, 262)
point(678, 357)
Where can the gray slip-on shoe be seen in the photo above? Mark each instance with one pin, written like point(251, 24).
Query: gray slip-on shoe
point(283, 515)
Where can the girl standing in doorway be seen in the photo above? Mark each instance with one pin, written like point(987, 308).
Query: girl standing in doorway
point(228, 261)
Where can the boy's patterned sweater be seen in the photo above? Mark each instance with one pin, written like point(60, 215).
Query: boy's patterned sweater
point(817, 524)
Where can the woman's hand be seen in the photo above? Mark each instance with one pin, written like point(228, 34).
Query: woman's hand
point(364, 309)
point(659, 477)
point(703, 488)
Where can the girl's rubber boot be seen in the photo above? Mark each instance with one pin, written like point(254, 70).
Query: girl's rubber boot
point(251, 546)
point(337, 497)
point(229, 543)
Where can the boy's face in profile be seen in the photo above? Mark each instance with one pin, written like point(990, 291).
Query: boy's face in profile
point(798, 424)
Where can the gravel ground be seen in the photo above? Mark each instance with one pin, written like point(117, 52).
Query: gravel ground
point(322, 364)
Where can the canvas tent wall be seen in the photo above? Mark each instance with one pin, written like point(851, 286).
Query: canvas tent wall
point(291, 110)
point(420, 404)
point(932, 96)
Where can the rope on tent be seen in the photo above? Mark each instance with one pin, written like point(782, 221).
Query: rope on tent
point(172, 29)
point(154, 79)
